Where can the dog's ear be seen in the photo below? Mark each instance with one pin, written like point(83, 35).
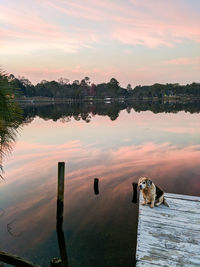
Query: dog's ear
point(149, 182)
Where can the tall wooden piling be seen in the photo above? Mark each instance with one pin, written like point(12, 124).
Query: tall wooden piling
point(60, 209)
point(62, 246)
point(60, 192)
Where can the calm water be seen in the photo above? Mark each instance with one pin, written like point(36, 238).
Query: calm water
point(115, 144)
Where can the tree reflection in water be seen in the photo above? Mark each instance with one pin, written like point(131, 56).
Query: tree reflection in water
point(86, 111)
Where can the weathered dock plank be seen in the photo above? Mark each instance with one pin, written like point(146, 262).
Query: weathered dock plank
point(169, 236)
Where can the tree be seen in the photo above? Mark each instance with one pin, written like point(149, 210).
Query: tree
point(24, 81)
point(10, 116)
point(92, 90)
point(129, 87)
point(83, 83)
point(75, 82)
point(30, 89)
point(87, 80)
point(114, 88)
point(16, 83)
point(44, 81)
point(63, 81)
point(114, 83)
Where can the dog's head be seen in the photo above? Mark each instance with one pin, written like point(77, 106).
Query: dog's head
point(144, 182)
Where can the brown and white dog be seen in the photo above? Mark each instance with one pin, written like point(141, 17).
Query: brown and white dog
point(152, 194)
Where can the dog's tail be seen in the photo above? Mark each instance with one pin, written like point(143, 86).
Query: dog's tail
point(165, 202)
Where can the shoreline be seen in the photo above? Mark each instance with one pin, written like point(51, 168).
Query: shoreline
point(33, 100)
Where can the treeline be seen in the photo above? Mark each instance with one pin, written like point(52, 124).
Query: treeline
point(63, 89)
point(84, 88)
point(167, 90)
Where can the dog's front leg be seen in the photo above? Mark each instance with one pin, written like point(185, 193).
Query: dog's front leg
point(144, 202)
point(152, 202)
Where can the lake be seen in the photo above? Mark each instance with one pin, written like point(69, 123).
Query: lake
point(115, 142)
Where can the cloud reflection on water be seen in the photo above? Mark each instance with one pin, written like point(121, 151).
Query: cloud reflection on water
point(29, 193)
point(168, 165)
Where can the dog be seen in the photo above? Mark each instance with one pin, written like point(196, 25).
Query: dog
point(152, 194)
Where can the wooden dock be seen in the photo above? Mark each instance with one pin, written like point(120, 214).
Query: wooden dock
point(169, 236)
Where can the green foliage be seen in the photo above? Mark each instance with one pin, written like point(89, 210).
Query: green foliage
point(79, 90)
point(10, 116)
point(129, 87)
point(167, 90)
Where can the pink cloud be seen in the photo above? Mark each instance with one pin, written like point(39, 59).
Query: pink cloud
point(73, 9)
point(184, 61)
point(150, 26)
point(156, 28)
point(35, 25)
point(139, 36)
point(27, 34)
point(183, 130)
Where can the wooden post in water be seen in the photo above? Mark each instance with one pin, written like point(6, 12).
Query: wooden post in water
point(134, 200)
point(56, 262)
point(60, 192)
point(62, 247)
point(96, 186)
point(60, 208)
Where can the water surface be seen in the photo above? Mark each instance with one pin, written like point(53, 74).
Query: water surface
point(115, 144)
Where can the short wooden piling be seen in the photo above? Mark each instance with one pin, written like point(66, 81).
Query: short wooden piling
point(96, 186)
point(56, 262)
point(134, 200)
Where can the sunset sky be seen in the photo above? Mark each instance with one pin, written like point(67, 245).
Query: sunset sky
point(135, 41)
